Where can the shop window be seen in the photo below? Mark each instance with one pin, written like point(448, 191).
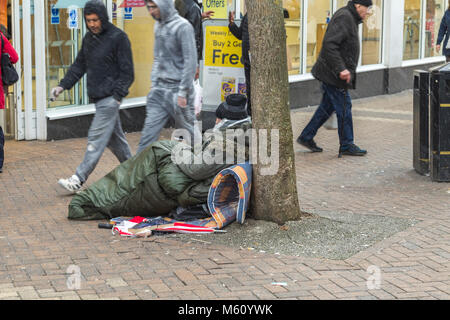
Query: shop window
point(434, 12)
point(293, 33)
point(371, 35)
point(341, 3)
point(63, 45)
point(138, 25)
point(318, 15)
point(411, 29)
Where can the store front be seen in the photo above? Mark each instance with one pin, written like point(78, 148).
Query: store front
point(47, 35)
point(64, 43)
point(397, 38)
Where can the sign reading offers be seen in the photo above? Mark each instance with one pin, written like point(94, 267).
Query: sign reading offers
point(218, 6)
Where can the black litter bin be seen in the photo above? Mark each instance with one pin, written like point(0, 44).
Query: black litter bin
point(421, 108)
point(440, 123)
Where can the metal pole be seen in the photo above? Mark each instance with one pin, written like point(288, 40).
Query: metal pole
point(12, 112)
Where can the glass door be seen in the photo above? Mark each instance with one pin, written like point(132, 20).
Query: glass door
point(7, 118)
point(65, 30)
point(23, 39)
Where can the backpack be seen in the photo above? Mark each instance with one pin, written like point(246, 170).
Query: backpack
point(9, 73)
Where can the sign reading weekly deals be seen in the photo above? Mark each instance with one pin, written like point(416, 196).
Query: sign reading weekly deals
point(223, 71)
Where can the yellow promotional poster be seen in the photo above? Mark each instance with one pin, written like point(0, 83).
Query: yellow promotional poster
point(218, 6)
point(222, 49)
point(222, 71)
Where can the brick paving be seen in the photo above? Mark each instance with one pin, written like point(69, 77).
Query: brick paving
point(40, 249)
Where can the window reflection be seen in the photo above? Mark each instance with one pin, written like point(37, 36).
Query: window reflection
point(411, 29)
point(293, 33)
point(435, 12)
point(140, 32)
point(371, 36)
point(62, 48)
point(319, 12)
point(341, 3)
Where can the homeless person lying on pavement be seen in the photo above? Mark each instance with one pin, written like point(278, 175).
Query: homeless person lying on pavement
point(168, 174)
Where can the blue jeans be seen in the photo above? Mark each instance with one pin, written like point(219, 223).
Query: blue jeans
point(333, 99)
point(2, 143)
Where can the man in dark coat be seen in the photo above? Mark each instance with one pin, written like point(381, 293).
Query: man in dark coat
point(336, 70)
point(241, 33)
point(190, 10)
point(106, 58)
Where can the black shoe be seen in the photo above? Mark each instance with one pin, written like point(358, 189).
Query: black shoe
point(310, 144)
point(351, 150)
point(1, 170)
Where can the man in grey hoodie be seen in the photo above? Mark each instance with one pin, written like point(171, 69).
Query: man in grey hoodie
point(173, 71)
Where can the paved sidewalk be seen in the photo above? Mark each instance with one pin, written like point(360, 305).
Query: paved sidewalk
point(41, 250)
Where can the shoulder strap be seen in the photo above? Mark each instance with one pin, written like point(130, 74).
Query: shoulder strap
point(1, 36)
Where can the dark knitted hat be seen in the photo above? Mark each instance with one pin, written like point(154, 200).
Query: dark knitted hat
point(234, 107)
point(366, 3)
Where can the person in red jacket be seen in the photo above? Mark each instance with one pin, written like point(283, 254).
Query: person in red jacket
point(13, 57)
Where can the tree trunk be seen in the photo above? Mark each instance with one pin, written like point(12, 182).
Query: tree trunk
point(274, 194)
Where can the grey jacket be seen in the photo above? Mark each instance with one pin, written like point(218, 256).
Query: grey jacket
point(175, 52)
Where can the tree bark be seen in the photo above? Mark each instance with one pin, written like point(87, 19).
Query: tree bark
point(274, 196)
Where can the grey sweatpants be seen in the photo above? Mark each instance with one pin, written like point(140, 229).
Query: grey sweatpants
point(105, 131)
point(162, 105)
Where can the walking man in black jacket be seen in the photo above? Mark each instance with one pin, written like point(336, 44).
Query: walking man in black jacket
point(106, 57)
point(190, 10)
point(336, 69)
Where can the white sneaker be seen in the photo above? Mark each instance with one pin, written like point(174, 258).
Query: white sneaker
point(72, 184)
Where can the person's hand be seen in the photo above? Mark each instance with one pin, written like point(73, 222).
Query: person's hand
point(345, 75)
point(231, 17)
point(197, 73)
point(438, 48)
point(55, 92)
point(207, 14)
point(182, 102)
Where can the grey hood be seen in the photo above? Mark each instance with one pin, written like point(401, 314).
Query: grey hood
point(175, 52)
point(167, 10)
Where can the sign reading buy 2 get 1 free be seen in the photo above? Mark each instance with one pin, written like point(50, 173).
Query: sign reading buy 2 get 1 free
point(222, 49)
point(223, 71)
